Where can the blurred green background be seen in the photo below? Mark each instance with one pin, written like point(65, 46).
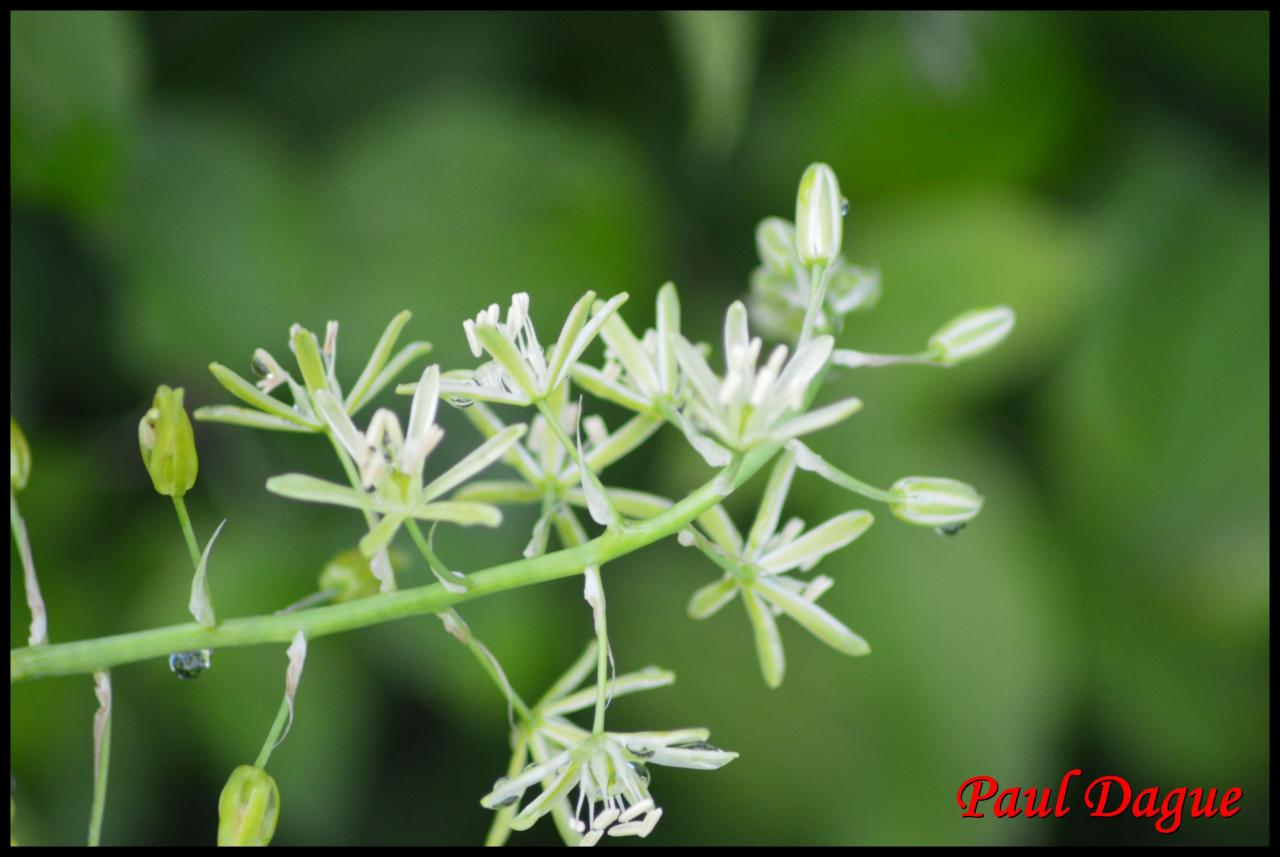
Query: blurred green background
point(186, 186)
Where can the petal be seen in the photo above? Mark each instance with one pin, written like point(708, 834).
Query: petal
point(771, 502)
point(381, 535)
point(773, 663)
point(234, 415)
point(819, 419)
point(696, 370)
point(568, 333)
point(708, 600)
point(299, 486)
point(719, 526)
point(251, 395)
point(594, 381)
point(498, 491)
point(544, 802)
point(696, 759)
point(422, 416)
point(668, 326)
point(646, 679)
point(466, 514)
point(815, 620)
point(805, 551)
point(588, 333)
point(480, 458)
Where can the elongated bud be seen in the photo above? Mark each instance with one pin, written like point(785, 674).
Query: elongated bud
point(776, 242)
point(248, 808)
point(19, 457)
point(819, 216)
point(167, 444)
point(932, 501)
point(973, 333)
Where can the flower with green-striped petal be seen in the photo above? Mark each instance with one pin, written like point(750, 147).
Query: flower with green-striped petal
point(552, 479)
point(753, 405)
point(639, 373)
point(609, 770)
point(759, 569)
point(391, 464)
point(317, 367)
point(520, 371)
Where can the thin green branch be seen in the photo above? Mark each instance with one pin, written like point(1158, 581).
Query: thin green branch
point(90, 655)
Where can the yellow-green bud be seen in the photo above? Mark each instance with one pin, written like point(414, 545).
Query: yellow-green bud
point(19, 457)
point(933, 501)
point(349, 576)
point(167, 443)
point(819, 216)
point(973, 333)
point(248, 808)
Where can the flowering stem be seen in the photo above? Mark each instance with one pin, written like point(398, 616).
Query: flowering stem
point(39, 634)
point(193, 547)
point(86, 656)
point(273, 737)
point(817, 294)
point(571, 533)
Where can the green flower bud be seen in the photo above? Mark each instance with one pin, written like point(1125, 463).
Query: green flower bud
point(19, 457)
point(932, 501)
point(349, 576)
point(973, 333)
point(819, 216)
point(248, 808)
point(776, 243)
point(167, 444)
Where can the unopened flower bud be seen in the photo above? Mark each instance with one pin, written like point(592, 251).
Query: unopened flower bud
point(167, 443)
point(819, 216)
point(19, 457)
point(776, 243)
point(932, 501)
point(349, 576)
point(973, 333)
point(248, 808)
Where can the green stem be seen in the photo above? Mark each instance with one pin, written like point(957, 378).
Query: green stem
point(39, 634)
point(103, 653)
point(817, 294)
point(193, 547)
point(273, 737)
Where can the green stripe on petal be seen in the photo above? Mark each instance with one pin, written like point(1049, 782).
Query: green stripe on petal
point(806, 551)
point(814, 619)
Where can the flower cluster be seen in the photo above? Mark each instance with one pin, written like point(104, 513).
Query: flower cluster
point(592, 782)
point(609, 770)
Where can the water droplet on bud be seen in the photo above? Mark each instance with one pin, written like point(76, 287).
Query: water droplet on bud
point(950, 529)
point(459, 401)
point(188, 665)
point(844, 206)
point(260, 367)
